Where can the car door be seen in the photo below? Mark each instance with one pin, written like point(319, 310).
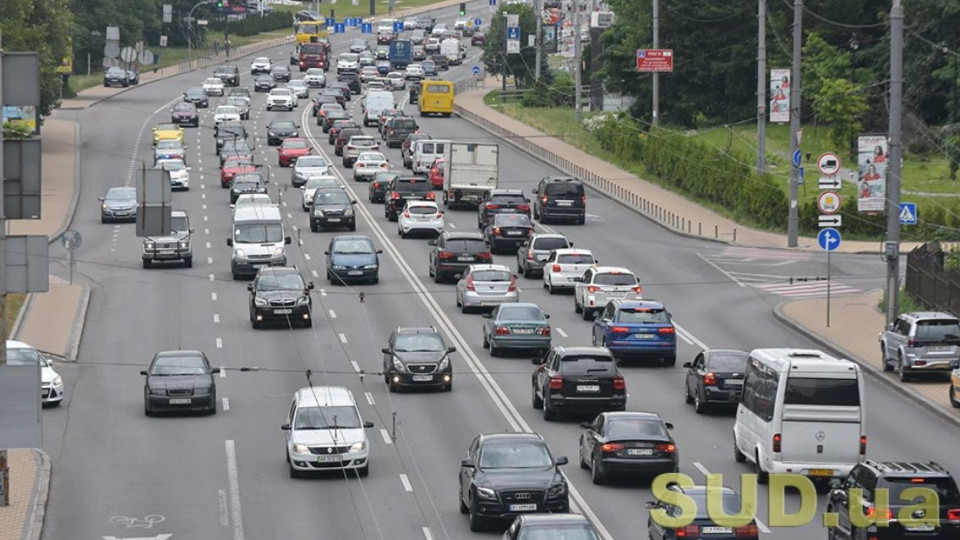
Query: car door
point(436, 249)
point(602, 323)
point(540, 375)
point(288, 433)
point(695, 375)
point(591, 436)
point(896, 336)
point(841, 499)
point(388, 357)
point(466, 473)
point(580, 289)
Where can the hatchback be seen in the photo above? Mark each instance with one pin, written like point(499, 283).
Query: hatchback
point(703, 526)
point(519, 326)
point(325, 432)
point(420, 217)
point(485, 286)
point(51, 384)
point(352, 258)
point(533, 254)
point(599, 285)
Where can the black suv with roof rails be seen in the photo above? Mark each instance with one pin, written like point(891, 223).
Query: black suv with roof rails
point(907, 519)
point(230, 75)
point(560, 198)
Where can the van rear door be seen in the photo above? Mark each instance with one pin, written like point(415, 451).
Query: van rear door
point(822, 421)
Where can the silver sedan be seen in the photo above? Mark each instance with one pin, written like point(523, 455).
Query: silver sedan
point(486, 286)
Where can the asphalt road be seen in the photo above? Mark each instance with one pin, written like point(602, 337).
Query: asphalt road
point(117, 473)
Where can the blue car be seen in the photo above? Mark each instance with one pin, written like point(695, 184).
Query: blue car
point(637, 328)
point(352, 258)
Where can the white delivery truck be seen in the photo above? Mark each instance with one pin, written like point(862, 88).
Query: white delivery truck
point(450, 48)
point(470, 170)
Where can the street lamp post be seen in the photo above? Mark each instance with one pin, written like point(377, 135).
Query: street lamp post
point(190, 25)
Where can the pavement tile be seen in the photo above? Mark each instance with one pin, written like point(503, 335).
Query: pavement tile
point(53, 321)
point(24, 470)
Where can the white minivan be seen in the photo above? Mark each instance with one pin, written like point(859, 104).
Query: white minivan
point(801, 412)
point(425, 152)
point(376, 102)
point(324, 432)
point(257, 240)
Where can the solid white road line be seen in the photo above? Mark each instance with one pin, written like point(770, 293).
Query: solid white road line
point(387, 439)
point(426, 533)
point(323, 292)
point(233, 478)
point(406, 483)
point(224, 511)
point(219, 343)
point(721, 270)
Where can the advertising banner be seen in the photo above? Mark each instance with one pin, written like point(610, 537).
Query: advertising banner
point(871, 173)
point(780, 95)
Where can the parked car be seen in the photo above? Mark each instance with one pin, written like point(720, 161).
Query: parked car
point(180, 380)
point(52, 388)
point(486, 286)
point(417, 357)
point(615, 444)
point(517, 326)
point(578, 379)
point(921, 342)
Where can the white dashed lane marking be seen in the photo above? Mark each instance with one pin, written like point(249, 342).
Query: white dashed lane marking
point(406, 483)
point(561, 332)
point(343, 337)
point(386, 436)
point(219, 343)
point(333, 314)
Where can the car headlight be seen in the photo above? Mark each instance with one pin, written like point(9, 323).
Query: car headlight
point(359, 446)
point(370, 266)
point(103, 207)
point(149, 246)
point(339, 267)
point(260, 302)
point(348, 212)
point(318, 212)
point(557, 491)
point(271, 134)
point(295, 134)
point(240, 254)
point(299, 448)
point(277, 251)
point(303, 300)
point(57, 381)
point(486, 493)
point(444, 364)
point(184, 244)
point(398, 365)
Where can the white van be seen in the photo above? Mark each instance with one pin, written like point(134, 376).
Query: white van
point(257, 240)
point(424, 152)
point(802, 413)
point(376, 102)
point(450, 48)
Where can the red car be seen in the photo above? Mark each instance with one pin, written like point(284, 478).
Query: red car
point(291, 149)
point(436, 174)
point(234, 166)
point(478, 38)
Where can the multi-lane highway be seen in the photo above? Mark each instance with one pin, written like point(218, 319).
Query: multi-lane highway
point(117, 473)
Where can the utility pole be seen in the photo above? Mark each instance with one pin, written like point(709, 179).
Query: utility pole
point(793, 215)
point(578, 58)
point(4, 458)
point(538, 10)
point(892, 247)
point(762, 87)
point(503, 74)
point(656, 76)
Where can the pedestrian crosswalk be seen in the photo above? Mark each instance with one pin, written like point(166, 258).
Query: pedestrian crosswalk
point(806, 289)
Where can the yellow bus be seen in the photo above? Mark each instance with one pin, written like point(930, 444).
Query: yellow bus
point(309, 31)
point(436, 97)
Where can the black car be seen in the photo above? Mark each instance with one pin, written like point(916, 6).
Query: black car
point(343, 138)
point(332, 116)
point(702, 526)
point(280, 73)
point(279, 294)
point(417, 357)
point(344, 87)
point(396, 130)
point(352, 258)
point(246, 183)
point(352, 78)
point(403, 189)
point(337, 125)
point(197, 96)
point(891, 479)
point(332, 207)
point(618, 443)
point(507, 232)
point(550, 526)
point(441, 62)
point(574, 379)
point(230, 75)
point(185, 114)
point(229, 131)
point(414, 94)
point(320, 100)
point(180, 381)
point(504, 475)
point(453, 252)
point(235, 147)
point(264, 83)
point(278, 130)
point(336, 94)
point(560, 199)
point(715, 377)
point(380, 185)
point(501, 201)
point(115, 76)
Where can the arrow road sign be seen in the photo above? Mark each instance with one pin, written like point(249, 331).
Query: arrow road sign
point(829, 239)
point(908, 213)
point(476, 70)
point(830, 221)
point(366, 28)
point(828, 182)
point(796, 158)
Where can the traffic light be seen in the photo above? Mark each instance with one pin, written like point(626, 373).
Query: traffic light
point(219, 4)
point(463, 8)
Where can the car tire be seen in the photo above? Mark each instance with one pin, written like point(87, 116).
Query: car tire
point(494, 350)
point(486, 342)
point(687, 398)
point(147, 263)
point(583, 463)
point(436, 277)
point(904, 375)
point(586, 314)
point(464, 509)
point(313, 227)
point(885, 358)
point(596, 476)
point(699, 405)
point(536, 400)
point(670, 360)
point(548, 413)
point(738, 456)
point(353, 226)
point(392, 387)
point(294, 473)
point(576, 305)
point(477, 523)
point(188, 262)
point(762, 476)
point(308, 323)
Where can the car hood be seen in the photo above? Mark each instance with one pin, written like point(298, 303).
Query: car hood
point(432, 357)
point(179, 382)
point(350, 259)
point(308, 171)
point(282, 131)
point(120, 203)
point(518, 478)
point(47, 374)
point(176, 237)
point(327, 437)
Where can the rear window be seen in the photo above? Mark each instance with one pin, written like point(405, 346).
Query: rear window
point(423, 210)
point(938, 329)
point(820, 391)
point(727, 362)
point(491, 275)
point(615, 279)
point(643, 316)
point(405, 123)
point(431, 148)
point(634, 429)
point(512, 220)
point(466, 245)
point(549, 244)
point(575, 258)
point(508, 198)
point(582, 365)
point(563, 188)
point(945, 488)
point(521, 313)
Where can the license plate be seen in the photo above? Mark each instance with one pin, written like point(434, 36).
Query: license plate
point(523, 331)
point(422, 378)
point(938, 349)
point(639, 452)
point(716, 530)
point(564, 203)
point(328, 459)
point(333, 220)
point(821, 472)
point(180, 401)
point(920, 528)
point(588, 388)
point(643, 336)
point(734, 382)
point(464, 258)
point(355, 273)
point(283, 311)
point(523, 507)
point(514, 233)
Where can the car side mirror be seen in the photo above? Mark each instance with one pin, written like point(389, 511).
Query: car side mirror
point(429, 242)
point(250, 287)
point(538, 360)
point(468, 463)
point(385, 350)
point(379, 252)
point(487, 315)
point(310, 286)
point(326, 252)
point(451, 349)
point(534, 190)
point(546, 315)
point(353, 202)
point(562, 460)
point(368, 424)
point(650, 505)
point(215, 371)
point(191, 230)
point(578, 279)
point(285, 427)
point(287, 240)
point(143, 372)
point(571, 244)
point(668, 424)
point(687, 365)
point(230, 242)
point(585, 425)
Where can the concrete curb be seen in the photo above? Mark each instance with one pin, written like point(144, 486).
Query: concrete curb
point(76, 333)
point(75, 200)
point(18, 322)
point(41, 493)
point(867, 367)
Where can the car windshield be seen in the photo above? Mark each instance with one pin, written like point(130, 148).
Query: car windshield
point(179, 224)
point(282, 124)
point(253, 233)
point(643, 316)
point(491, 275)
point(466, 245)
point(348, 57)
point(317, 182)
point(166, 127)
point(331, 198)
point(294, 143)
point(227, 109)
point(354, 246)
point(169, 144)
point(625, 429)
point(512, 220)
point(121, 194)
point(24, 356)
point(261, 60)
point(280, 92)
point(521, 313)
point(577, 365)
point(286, 281)
point(173, 165)
point(297, 83)
point(329, 417)
point(195, 93)
point(422, 209)
point(727, 362)
point(237, 102)
point(183, 107)
point(938, 330)
point(178, 365)
point(264, 79)
point(418, 343)
point(312, 161)
point(618, 279)
point(253, 198)
point(517, 455)
point(550, 243)
point(573, 531)
point(315, 72)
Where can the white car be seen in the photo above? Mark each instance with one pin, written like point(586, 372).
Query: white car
point(315, 77)
point(281, 98)
point(251, 199)
point(420, 216)
point(261, 64)
point(414, 71)
point(368, 73)
point(459, 24)
point(313, 184)
point(599, 285)
point(51, 384)
point(432, 45)
point(564, 266)
point(306, 167)
point(226, 113)
point(324, 431)
point(357, 145)
point(348, 62)
point(300, 88)
point(179, 172)
point(397, 80)
point(213, 86)
point(438, 29)
point(368, 164)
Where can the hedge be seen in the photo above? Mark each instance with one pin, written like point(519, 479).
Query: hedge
point(254, 24)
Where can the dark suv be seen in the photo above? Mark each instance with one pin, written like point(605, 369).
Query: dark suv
point(574, 379)
point(397, 128)
point(501, 201)
point(332, 207)
point(279, 293)
point(417, 357)
point(230, 75)
point(560, 199)
point(403, 189)
point(906, 520)
point(453, 252)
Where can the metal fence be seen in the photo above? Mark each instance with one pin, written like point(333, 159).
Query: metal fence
point(929, 282)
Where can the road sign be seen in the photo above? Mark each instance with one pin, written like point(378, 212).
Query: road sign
point(339, 28)
point(513, 32)
point(478, 22)
point(397, 27)
point(829, 202)
point(829, 182)
point(112, 50)
point(829, 221)
point(146, 57)
point(654, 60)
point(493, 3)
point(908, 213)
point(829, 239)
point(201, 22)
point(331, 21)
point(800, 175)
point(476, 70)
point(796, 158)
point(71, 239)
point(366, 28)
point(828, 163)
point(128, 54)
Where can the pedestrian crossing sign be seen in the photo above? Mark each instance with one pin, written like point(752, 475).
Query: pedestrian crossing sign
point(908, 213)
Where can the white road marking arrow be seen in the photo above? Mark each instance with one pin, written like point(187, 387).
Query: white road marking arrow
point(158, 537)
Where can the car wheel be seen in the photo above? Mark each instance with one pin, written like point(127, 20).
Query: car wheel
point(902, 371)
point(586, 314)
point(308, 323)
point(536, 400)
point(576, 305)
point(687, 398)
point(464, 509)
point(551, 291)
point(738, 456)
point(953, 398)
point(147, 411)
point(548, 413)
point(147, 263)
point(476, 522)
point(436, 277)
point(596, 476)
point(294, 473)
point(353, 226)
point(583, 463)
point(188, 262)
point(494, 350)
point(465, 308)
point(762, 476)
point(486, 342)
point(885, 358)
point(670, 360)
point(698, 404)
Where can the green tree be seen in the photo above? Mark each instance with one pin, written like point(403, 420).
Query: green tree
point(519, 66)
point(840, 103)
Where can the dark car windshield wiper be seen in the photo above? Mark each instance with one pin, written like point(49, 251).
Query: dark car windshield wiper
point(425, 350)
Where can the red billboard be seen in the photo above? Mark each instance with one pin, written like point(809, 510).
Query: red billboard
point(654, 60)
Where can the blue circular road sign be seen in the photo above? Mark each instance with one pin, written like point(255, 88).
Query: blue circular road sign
point(476, 70)
point(829, 239)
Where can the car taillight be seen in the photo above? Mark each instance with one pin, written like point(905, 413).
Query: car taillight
point(351, 147)
point(470, 286)
point(619, 329)
point(502, 331)
point(431, 196)
point(619, 383)
point(863, 445)
point(556, 383)
point(496, 231)
point(485, 256)
point(394, 195)
point(513, 285)
point(709, 379)
point(544, 331)
point(593, 288)
point(406, 214)
point(445, 255)
point(911, 342)
point(610, 448)
point(439, 215)
point(872, 513)
point(544, 199)
point(523, 207)
point(953, 514)
point(384, 165)
point(491, 206)
point(777, 439)
point(583, 199)
point(746, 530)
point(666, 447)
point(360, 165)
point(666, 330)
point(690, 531)
point(556, 268)
point(375, 185)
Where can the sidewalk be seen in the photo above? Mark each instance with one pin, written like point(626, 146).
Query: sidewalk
point(29, 481)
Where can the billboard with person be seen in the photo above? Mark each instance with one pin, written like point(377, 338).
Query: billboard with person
point(872, 173)
point(779, 95)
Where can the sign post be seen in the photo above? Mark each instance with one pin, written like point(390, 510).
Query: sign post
point(829, 240)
